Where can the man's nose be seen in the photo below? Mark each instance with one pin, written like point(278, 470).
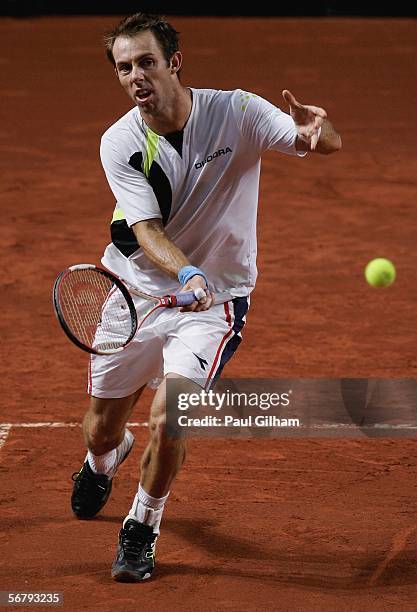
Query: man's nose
point(136, 75)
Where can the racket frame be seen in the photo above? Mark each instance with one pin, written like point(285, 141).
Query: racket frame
point(61, 319)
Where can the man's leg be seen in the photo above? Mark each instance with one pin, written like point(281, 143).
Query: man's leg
point(161, 462)
point(163, 456)
point(108, 443)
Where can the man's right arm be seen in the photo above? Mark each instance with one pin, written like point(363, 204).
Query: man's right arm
point(161, 251)
point(136, 198)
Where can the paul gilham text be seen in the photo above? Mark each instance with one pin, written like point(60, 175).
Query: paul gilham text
point(262, 420)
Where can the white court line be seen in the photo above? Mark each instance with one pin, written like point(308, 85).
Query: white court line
point(8, 426)
point(5, 427)
point(4, 432)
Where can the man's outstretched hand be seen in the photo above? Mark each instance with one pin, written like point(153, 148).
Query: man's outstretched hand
point(308, 119)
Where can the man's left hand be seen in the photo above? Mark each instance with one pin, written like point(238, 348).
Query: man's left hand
point(308, 119)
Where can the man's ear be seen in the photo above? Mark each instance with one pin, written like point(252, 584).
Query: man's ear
point(176, 61)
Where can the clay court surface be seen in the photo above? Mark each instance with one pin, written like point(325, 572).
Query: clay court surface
point(306, 525)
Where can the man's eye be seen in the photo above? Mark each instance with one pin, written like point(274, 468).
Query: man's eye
point(147, 63)
point(124, 68)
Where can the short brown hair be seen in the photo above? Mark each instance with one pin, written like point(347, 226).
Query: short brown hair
point(140, 22)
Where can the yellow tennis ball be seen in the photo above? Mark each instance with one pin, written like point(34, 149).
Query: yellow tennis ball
point(380, 272)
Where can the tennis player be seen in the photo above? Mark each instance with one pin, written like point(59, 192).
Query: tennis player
point(183, 165)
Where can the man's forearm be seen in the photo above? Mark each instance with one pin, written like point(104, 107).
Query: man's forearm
point(159, 248)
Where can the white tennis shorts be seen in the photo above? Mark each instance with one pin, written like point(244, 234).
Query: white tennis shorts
point(194, 345)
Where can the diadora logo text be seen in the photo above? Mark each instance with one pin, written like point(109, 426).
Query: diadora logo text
point(210, 158)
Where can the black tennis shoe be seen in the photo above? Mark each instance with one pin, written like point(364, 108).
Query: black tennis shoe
point(91, 491)
point(135, 560)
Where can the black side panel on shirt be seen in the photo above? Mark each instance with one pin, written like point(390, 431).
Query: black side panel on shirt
point(175, 139)
point(162, 190)
point(123, 237)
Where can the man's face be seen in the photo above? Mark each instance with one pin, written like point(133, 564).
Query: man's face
point(144, 72)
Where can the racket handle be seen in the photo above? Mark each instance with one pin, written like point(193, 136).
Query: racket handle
point(188, 297)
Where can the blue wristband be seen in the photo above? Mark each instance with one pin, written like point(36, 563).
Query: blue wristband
point(188, 272)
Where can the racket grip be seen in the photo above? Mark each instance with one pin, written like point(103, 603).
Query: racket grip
point(187, 297)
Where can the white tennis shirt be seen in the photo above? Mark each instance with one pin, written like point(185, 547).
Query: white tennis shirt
point(205, 188)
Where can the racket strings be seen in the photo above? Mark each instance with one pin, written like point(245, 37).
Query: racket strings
point(95, 310)
point(84, 320)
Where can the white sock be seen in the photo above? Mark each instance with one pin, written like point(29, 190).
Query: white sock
point(156, 503)
point(147, 509)
point(104, 464)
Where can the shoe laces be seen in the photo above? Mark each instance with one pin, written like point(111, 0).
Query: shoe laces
point(134, 541)
point(77, 476)
point(83, 481)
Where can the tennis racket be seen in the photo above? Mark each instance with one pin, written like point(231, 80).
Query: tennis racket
point(96, 310)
